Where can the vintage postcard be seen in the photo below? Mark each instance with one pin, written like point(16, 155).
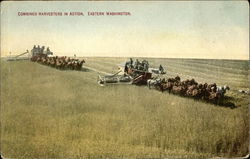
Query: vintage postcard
point(124, 79)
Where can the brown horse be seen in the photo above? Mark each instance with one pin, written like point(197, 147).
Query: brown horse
point(181, 90)
point(167, 86)
point(215, 97)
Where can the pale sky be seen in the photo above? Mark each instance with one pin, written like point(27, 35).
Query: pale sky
point(196, 29)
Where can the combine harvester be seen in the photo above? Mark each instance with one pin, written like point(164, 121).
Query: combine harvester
point(45, 56)
point(34, 54)
point(129, 73)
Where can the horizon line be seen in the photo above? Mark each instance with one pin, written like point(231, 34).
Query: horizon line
point(154, 57)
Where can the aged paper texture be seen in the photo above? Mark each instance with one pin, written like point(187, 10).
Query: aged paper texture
point(124, 79)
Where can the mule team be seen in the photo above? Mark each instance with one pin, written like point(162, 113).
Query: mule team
point(59, 62)
point(190, 88)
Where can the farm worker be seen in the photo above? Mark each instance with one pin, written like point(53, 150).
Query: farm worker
point(161, 68)
point(131, 62)
point(33, 50)
point(136, 64)
point(126, 68)
point(145, 66)
point(38, 49)
point(42, 49)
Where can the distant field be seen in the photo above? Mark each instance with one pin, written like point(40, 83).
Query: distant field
point(48, 113)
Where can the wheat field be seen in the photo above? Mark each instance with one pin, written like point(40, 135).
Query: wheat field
point(50, 113)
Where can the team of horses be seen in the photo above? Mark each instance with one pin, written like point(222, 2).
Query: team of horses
point(190, 88)
point(63, 62)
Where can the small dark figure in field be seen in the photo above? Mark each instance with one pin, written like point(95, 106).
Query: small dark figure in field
point(126, 68)
point(244, 91)
point(131, 61)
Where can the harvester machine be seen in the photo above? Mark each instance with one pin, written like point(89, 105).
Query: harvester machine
point(114, 79)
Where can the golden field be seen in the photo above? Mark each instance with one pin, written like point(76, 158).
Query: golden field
point(50, 113)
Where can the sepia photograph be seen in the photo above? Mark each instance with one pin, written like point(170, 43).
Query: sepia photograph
point(124, 80)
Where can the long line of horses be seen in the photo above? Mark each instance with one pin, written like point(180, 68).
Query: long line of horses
point(190, 88)
point(63, 62)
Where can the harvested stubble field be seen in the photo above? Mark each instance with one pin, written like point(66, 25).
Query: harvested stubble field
point(48, 113)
